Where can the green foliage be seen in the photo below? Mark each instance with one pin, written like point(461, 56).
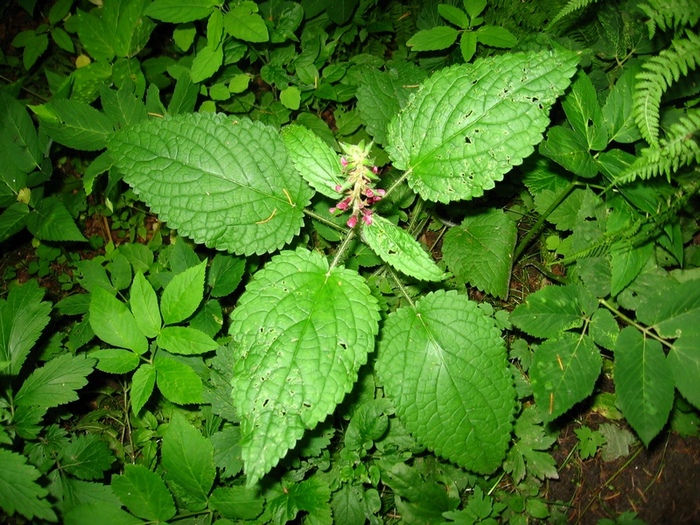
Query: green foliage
point(256, 366)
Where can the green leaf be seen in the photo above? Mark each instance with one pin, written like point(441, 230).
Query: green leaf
point(244, 23)
point(23, 316)
point(617, 111)
point(672, 311)
point(291, 97)
point(236, 502)
point(564, 371)
point(51, 221)
point(569, 149)
point(626, 262)
point(188, 460)
point(181, 11)
point(122, 107)
point(301, 333)
point(13, 220)
point(178, 382)
point(206, 63)
point(467, 45)
point(381, 95)
point(684, 361)
point(617, 442)
point(317, 163)
point(224, 182)
point(443, 364)
point(19, 491)
point(142, 384)
point(454, 15)
point(144, 493)
point(85, 513)
point(434, 39)
point(74, 124)
point(533, 440)
point(589, 441)
point(183, 294)
point(496, 36)
point(18, 137)
point(225, 274)
point(480, 251)
point(56, 382)
point(95, 37)
point(86, 457)
point(554, 309)
point(115, 361)
point(474, 7)
point(144, 306)
point(453, 148)
point(643, 383)
point(396, 247)
point(185, 340)
point(584, 114)
point(184, 96)
point(311, 495)
point(112, 322)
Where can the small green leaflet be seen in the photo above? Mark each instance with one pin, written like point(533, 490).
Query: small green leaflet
point(554, 309)
point(86, 457)
point(244, 23)
point(74, 124)
point(451, 138)
point(563, 372)
point(178, 12)
point(684, 361)
point(673, 310)
point(301, 333)
point(480, 251)
point(144, 493)
point(19, 491)
point(56, 382)
point(396, 247)
point(177, 381)
point(443, 364)
point(183, 294)
point(436, 38)
point(188, 460)
point(51, 221)
point(643, 383)
point(315, 161)
point(224, 182)
point(112, 322)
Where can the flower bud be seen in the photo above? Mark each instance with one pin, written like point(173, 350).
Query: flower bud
point(352, 222)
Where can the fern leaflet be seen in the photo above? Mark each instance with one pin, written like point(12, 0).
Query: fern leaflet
point(659, 73)
point(679, 149)
point(670, 14)
point(573, 5)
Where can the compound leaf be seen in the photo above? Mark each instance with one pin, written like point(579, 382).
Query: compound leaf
point(188, 459)
point(443, 364)
point(564, 371)
point(144, 493)
point(314, 160)
point(396, 247)
point(19, 491)
point(480, 251)
point(226, 183)
point(470, 124)
point(301, 332)
point(554, 309)
point(643, 383)
point(56, 382)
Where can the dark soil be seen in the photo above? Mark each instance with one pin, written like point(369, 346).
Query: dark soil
point(661, 484)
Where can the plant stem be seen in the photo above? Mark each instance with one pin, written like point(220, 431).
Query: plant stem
point(539, 225)
point(646, 331)
point(315, 216)
point(396, 184)
point(342, 250)
point(401, 287)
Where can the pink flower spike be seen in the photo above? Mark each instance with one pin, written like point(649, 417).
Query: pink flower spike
point(343, 162)
point(352, 222)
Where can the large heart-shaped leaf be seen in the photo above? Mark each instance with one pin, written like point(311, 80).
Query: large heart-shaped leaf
point(226, 183)
point(301, 332)
point(470, 124)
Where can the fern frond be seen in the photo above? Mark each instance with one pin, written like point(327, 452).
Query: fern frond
point(679, 149)
point(659, 73)
point(573, 5)
point(670, 14)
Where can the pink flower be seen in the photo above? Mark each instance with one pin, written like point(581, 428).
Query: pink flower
point(367, 217)
point(352, 222)
point(343, 205)
point(343, 162)
point(369, 193)
point(338, 187)
point(375, 169)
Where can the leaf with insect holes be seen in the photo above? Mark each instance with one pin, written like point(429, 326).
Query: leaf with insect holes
point(470, 124)
point(301, 332)
point(563, 372)
point(396, 247)
point(443, 364)
point(228, 183)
